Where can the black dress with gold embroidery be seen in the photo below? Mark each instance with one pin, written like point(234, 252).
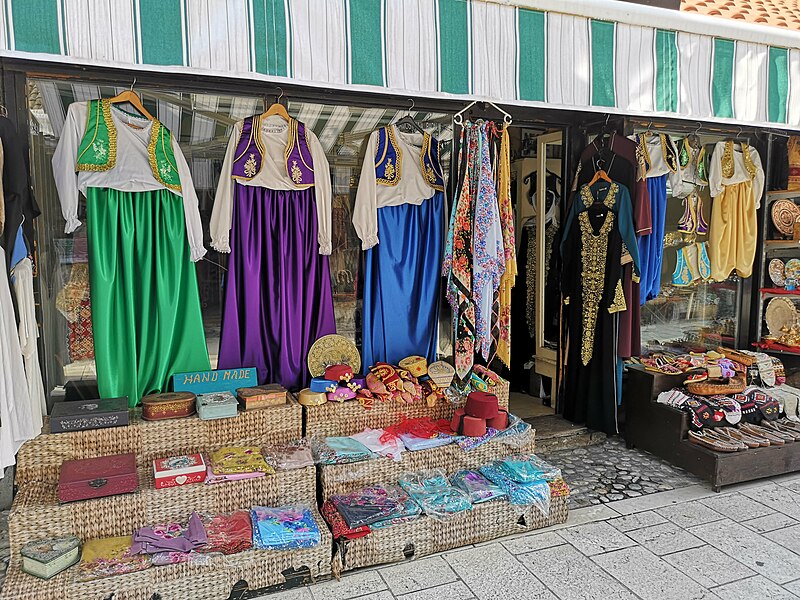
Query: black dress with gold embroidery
point(596, 237)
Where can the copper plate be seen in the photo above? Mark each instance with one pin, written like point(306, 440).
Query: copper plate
point(332, 350)
point(784, 214)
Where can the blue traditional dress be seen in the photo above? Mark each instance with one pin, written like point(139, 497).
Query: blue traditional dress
point(399, 217)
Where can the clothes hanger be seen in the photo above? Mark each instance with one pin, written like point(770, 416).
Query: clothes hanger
point(458, 118)
point(598, 175)
point(409, 121)
point(277, 109)
point(132, 98)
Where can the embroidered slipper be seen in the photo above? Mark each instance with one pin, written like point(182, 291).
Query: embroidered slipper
point(773, 438)
point(723, 437)
point(781, 430)
point(701, 439)
point(751, 442)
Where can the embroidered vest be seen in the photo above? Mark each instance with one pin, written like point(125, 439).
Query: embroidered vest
point(667, 150)
point(389, 160)
point(250, 151)
point(98, 148)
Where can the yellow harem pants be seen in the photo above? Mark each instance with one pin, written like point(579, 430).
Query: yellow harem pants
point(733, 233)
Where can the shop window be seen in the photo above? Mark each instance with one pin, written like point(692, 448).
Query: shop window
point(201, 124)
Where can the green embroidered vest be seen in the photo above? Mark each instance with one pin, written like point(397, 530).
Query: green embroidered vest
point(98, 148)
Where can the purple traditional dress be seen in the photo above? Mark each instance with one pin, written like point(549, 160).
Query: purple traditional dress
point(272, 212)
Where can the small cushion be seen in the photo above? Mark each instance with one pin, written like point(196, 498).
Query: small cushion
point(482, 405)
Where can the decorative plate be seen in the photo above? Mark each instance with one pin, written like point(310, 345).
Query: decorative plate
point(780, 313)
point(784, 214)
point(777, 272)
point(332, 350)
point(792, 269)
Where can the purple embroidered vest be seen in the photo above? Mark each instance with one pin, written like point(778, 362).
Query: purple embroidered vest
point(250, 153)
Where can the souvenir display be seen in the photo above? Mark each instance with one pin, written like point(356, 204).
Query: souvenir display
point(784, 215)
point(399, 218)
point(322, 384)
point(442, 373)
point(332, 350)
point(170, 537)
point(169, 405)
point(370, 504)
point(227, 534)
point(106, 557)
point(97, 414)
point(272, 213)
point(381, 442)
point(340, 450)
point(294, 455)
point(476, 486)
point(46, 558)
point(792, 269)
point(179, 470)
point(218, 380)
point(217, 405)
point(777, 272)
point(97, 477)
point(131, 171)
point(416, 365)
point(780, 314)
point(308, 398)
point(339, 373)
point(263, 396)
point(339, 526)
point(284, 528)
point(233, 460)
point(531, 493)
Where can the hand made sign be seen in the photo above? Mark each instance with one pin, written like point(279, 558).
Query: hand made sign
point(205, 382)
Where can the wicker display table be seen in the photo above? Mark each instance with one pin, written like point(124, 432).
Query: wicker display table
point(210, 581)
point(342, 479)
point(40, 459)
point(426, 536)
point(347, 418)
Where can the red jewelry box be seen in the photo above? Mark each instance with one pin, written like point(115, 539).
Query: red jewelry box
point(97, 477)
point(179, 470)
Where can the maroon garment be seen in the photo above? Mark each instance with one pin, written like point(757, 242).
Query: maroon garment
point(623, 169)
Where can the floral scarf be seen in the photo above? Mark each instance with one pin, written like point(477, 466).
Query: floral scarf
point(507, 226)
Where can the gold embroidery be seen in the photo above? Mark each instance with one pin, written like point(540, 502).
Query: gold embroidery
point(159, 170)
point(728, 167)
point(593, 258)
point(105, 109)
point(752, 170)
point(645, 152)
point(250, 166)
point(665, 150)
point(389, 170)
point(609, 201)
point(619, 304)
point(100, 149)
point(297, 174)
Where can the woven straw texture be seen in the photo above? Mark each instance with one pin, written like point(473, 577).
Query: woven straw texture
point(36, 512)
point(210, 581)
point(342, 479)
point(40, 459)
point(347, 418)
point(427, 536)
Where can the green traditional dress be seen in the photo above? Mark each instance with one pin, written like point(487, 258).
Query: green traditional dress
point(144, 233)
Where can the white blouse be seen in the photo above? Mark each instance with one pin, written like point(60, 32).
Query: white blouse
point(717, 181)
point(273, 176)
point(413, 187)
point(657, 160)
point(131, 173)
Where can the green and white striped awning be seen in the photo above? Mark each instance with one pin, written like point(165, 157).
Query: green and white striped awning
point(598, 55)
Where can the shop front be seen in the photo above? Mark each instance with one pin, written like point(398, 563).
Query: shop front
point(367, 224)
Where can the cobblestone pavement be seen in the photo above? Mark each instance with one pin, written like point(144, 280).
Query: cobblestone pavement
point(683, 544)
point(609, 472)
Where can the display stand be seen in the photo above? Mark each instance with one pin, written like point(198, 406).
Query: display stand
point(36, 512)
point(662, 430)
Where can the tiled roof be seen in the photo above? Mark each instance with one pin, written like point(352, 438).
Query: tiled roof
point(778, 13)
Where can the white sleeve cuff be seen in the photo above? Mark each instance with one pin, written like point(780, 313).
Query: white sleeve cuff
point(197, 253)
point(72, 224)
point(325, 248)
point(222, 245)
point(372, 240)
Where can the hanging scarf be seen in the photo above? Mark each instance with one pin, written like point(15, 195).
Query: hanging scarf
point(489, 255)
point(457, 266)
point(507, 226)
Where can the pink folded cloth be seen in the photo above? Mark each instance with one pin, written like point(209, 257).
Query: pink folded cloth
point(211, 478)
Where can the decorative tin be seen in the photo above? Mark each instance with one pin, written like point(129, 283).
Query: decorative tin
point(95, 414)
point(262, 396)
point(217, 405)
point(48, 557)
point(205, 382)
point(179, 470)
point(308, 398)
point(171, 405)
point(97, 477)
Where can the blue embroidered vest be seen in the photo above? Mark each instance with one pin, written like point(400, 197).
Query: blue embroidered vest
point(389, 160)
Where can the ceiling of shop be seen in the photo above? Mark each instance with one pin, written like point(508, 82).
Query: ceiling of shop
point(778, 13)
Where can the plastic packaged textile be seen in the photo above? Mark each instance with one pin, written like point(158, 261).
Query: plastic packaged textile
point(294, 455)
point(525, 468)
point(369, 504)
point(339, 526)
point(284, 528)
point(229, 533)
point(424, 482)
point(517, 434)
point(106, 557)
point(535, 493)
point(414, 443)
point(232, 460)
point(381, 443)
point(443, 505)
point(339, 451)
point(470, 443)
point(212, 479)
point(409, 511)
point(162, 559)
point(478, 488)
point(170, 537)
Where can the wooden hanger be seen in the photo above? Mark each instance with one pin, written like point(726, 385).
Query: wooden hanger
point(600, 174)
point(132, 98)
point(277, 109)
